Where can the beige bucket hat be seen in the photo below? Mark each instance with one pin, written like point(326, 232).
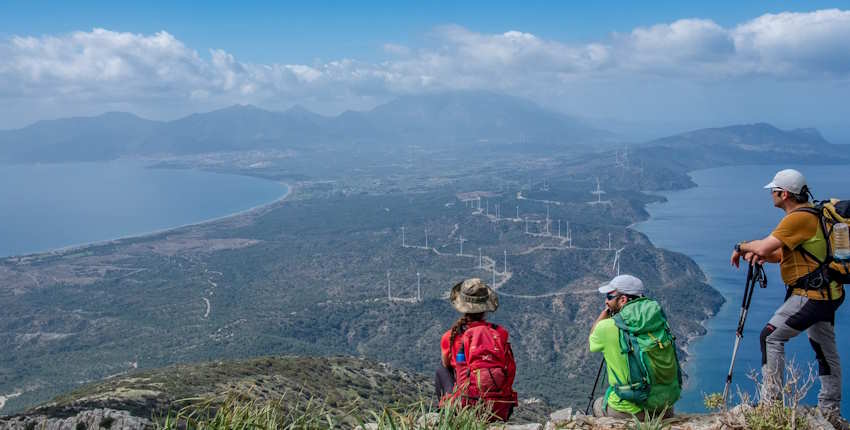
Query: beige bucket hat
point(473, 296)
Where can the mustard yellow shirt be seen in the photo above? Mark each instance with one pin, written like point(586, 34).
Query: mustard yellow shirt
point(796, 230)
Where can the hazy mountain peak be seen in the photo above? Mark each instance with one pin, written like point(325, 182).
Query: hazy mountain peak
point(240, 108)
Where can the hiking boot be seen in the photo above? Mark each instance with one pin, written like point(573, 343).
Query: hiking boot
point(834, 418)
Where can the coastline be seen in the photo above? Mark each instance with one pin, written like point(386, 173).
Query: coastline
point(687, 348)
point(80, 246)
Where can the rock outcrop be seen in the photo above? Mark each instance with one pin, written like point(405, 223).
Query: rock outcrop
point(85, 420)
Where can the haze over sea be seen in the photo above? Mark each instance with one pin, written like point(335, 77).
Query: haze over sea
point(48, 206)
point(704, 222)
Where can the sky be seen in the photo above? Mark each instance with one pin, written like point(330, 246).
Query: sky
point(641, 68)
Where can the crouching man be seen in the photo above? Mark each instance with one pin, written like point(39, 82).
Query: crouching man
point(635, 340)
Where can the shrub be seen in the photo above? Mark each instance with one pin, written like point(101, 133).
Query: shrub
point(782, 413)
point(652, 421)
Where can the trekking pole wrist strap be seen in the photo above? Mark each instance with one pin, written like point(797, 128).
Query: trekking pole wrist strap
point(738, 247)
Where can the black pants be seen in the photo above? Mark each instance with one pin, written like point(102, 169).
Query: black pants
point(444, 381)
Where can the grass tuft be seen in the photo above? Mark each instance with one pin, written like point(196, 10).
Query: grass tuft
point(243, 412)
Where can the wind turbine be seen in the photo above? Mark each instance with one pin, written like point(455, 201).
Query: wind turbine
point(616, 266)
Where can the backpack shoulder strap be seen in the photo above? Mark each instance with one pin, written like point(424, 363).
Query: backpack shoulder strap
point(620, 322)
point(818, 212)
point(807, 209)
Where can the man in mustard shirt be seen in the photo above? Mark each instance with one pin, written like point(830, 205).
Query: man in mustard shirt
point(605, 338)
point(798, 245)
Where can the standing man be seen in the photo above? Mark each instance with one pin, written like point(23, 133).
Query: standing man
point(798, 245)
point(632, 334)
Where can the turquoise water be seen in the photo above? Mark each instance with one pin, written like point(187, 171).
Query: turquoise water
point(48, 206)
point(729, 205)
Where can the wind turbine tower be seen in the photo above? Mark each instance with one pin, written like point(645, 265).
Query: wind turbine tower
point(506, 262)
point(389, 295)
point(598, 192)
point(609, 240)
point(403, 245)
point(418, 288)
point(616, 266)
point(559, 228)
point(426, 237)
point(480, 261)
point(461, 240)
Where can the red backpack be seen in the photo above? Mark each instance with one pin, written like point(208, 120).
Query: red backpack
point(489, 369)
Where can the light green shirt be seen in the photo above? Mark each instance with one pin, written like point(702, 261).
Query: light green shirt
point(606, 338)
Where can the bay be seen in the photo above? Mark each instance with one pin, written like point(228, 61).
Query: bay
point(49, 206)
point(727, 206)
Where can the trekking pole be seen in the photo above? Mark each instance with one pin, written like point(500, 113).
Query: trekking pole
point(755, 273)
point(593, 391)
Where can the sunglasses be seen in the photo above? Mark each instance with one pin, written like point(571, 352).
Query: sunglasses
point(776, 190)
point(610, 296)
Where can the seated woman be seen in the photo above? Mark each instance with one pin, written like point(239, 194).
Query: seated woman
point(477, 363)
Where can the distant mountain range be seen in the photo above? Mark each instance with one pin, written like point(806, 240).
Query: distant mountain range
point(741, 144)
point(440, 119)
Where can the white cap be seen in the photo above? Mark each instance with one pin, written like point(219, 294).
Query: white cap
point(625, 284)
point(789, 180)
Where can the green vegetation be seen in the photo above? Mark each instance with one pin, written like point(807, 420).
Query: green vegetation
point(334, 384)
point(652, 421)
point(774, 416)
point(236, 411)
point(713, 401)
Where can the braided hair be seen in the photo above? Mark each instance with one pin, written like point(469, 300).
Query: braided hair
point(459, 325)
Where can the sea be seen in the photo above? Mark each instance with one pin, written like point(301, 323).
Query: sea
point(729, 205)
point(48, 206)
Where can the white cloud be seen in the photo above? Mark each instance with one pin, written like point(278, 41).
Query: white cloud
point(799, 45)
point(108, 67)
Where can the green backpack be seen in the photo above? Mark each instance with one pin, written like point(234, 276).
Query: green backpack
point(655, 378)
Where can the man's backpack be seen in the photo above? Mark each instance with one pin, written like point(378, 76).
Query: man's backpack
point(830, 212)
point(655, 378)
point(489, 369)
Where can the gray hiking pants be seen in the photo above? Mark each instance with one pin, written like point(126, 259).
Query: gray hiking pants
point(817, 319)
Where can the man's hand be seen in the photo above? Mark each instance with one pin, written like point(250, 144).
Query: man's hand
point(605, 314)
point(754, 258)
point(736, 258)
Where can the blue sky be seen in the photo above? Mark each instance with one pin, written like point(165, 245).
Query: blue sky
point(301, 31)
point(663, 66)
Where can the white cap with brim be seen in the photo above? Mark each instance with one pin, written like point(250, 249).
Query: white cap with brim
point(624, 284)
point(789, 180)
